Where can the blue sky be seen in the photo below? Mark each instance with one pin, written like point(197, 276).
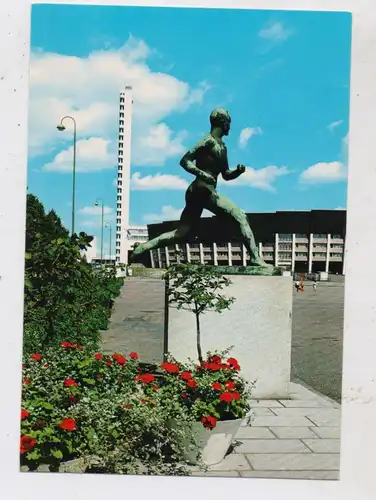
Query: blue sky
point(283, 76)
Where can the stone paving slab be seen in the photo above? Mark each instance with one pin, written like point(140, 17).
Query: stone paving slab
point(272, 446)
point(265, 403)
point(301, 461)
point(327, 432)
point(292, 474)
point(306, 403)
point(254, 433)
point(276, 421)
point(219, 473)
point(331, 413)
point(233, 462)
point(323, 445)
point(293, 432)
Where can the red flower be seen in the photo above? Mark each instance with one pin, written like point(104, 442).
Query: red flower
point(209, 422)
point(235, 396)
point(214, 359)
point(214, 367)
point(45, 365)
point(204, 364)
point(80, 347)
point(68, 424)
point(119, 359)
point(155, 387)
point(186, 375)
point(24, 414)
point(26, 381)
point(98, 356)
point(65, 344)
point(184, 395)
point(36, 357)
point(27, 444)
point(230, 386)
point(109, 362)
point(170, 367)
point(23, 366)
point(191, 383)
point(128, 407)
point(73, 399)
point(70, 383)
point(99, 375)
point(133, 355)
point(233, 363)
point(217, 386)
point(226, 397)
point(147, 378)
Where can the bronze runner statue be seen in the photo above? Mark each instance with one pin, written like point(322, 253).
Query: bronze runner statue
point(206, 161)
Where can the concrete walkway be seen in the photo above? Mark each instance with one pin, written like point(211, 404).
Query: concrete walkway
point(296, 438)
point(137, 320)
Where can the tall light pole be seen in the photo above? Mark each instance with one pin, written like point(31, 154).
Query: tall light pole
point(61, 128)
point(109, 225)
point(99, 200)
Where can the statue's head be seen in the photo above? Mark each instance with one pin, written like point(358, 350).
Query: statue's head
point(220, 118)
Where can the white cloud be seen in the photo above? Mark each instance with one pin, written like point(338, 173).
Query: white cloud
point(88, 89)
point(262, 178)
point(157, 146)
point(275, 32)
point(168, 212)
point(92, 155)
point(334, 125)
point(324, 173)
point(96, 210)
point(157, 182)
point(246, 134)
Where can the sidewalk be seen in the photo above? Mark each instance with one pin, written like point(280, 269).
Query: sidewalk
point(296, 438)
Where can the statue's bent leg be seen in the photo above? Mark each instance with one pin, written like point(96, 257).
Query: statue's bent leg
point(220, 205)
point(163, 240)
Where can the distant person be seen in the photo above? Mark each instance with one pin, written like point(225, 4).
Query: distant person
point(297, 285)
point(314, 287)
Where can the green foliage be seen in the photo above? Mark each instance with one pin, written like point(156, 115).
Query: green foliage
point(196, 287)
point(99, 408)
point(65, 298)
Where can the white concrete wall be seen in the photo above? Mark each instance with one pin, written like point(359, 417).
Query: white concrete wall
point(258, 325)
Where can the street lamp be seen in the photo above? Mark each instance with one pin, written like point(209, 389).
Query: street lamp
point(109, 226)
point(99, 200)
point(61, 128)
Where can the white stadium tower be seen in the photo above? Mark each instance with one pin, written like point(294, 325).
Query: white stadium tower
point(126, 235)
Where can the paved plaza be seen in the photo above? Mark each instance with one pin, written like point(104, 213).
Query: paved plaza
point(296, 438)
point(317, 337)
point(137, 324)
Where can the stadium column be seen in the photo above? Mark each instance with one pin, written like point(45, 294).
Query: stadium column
point(188, 251)
point(310, 253)
point(215, 254)
point(167, 256)
point(229, 251)
point(327, 254)
point(201, 253)
point(293, 246)
point(276, 249)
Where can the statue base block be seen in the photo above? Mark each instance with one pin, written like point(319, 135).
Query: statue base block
point(258, 326)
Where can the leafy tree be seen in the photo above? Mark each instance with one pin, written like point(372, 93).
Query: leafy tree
point(65, 298)
point(195, 288)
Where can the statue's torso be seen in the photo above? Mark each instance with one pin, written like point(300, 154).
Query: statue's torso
point(212, 158)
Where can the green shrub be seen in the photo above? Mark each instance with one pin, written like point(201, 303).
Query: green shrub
point(65, 298)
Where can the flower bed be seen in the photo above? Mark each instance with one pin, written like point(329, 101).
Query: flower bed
point(99, 407)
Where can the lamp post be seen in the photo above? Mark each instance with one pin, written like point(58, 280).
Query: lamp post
point(61, 128)
point(99, 200)
point(109, 226)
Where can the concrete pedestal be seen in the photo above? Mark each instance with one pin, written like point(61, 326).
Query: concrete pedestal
point(258, 325)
